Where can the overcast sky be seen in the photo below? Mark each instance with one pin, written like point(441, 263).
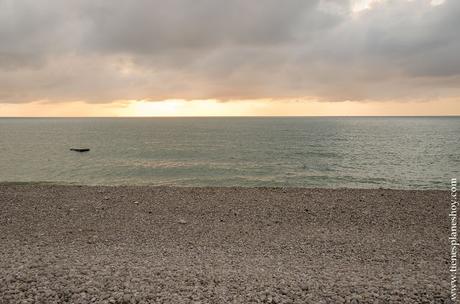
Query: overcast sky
point(329, 50)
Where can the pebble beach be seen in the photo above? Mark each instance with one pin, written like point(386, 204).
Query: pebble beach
point(142, 244)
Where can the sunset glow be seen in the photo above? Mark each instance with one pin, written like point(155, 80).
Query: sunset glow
point(231, 108)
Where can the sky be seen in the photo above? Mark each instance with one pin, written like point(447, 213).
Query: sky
point(229, 57)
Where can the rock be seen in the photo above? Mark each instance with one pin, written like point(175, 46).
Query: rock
point(80, 149)
point(136, 202)
point(182, 221)
point(126, 298)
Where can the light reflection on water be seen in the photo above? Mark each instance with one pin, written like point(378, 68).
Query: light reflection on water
point(403, 152)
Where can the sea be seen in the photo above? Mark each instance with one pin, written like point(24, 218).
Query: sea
point(326, 152)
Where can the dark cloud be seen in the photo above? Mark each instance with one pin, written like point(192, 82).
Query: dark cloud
point(156, 26)
point(100, 51)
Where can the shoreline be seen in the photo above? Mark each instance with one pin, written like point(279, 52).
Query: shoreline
point(68, 184)
point(161, 244)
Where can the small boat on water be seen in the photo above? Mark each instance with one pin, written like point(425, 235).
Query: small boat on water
point(79, 149)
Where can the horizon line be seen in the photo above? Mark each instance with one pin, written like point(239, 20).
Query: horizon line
point(236, 116)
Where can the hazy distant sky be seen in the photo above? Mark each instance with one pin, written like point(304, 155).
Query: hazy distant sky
point(229, 57)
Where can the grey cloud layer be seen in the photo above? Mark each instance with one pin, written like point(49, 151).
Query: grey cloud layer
point(100, 51)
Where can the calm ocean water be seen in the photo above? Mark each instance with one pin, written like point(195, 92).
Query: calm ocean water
point(410, 153)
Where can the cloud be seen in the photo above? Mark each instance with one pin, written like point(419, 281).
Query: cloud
point(101, 51)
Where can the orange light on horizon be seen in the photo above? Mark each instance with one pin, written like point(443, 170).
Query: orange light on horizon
point(258, 107)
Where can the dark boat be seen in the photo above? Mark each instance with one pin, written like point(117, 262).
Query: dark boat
point(79, 149)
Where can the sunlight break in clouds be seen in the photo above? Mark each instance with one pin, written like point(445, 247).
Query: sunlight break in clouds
point(362, 5)
point(234, 108)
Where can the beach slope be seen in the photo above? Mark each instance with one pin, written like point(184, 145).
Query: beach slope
point(82, 244)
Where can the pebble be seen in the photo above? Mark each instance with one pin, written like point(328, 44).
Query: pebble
point(127, 257)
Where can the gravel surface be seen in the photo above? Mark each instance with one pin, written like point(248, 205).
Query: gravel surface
point(81, 244)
